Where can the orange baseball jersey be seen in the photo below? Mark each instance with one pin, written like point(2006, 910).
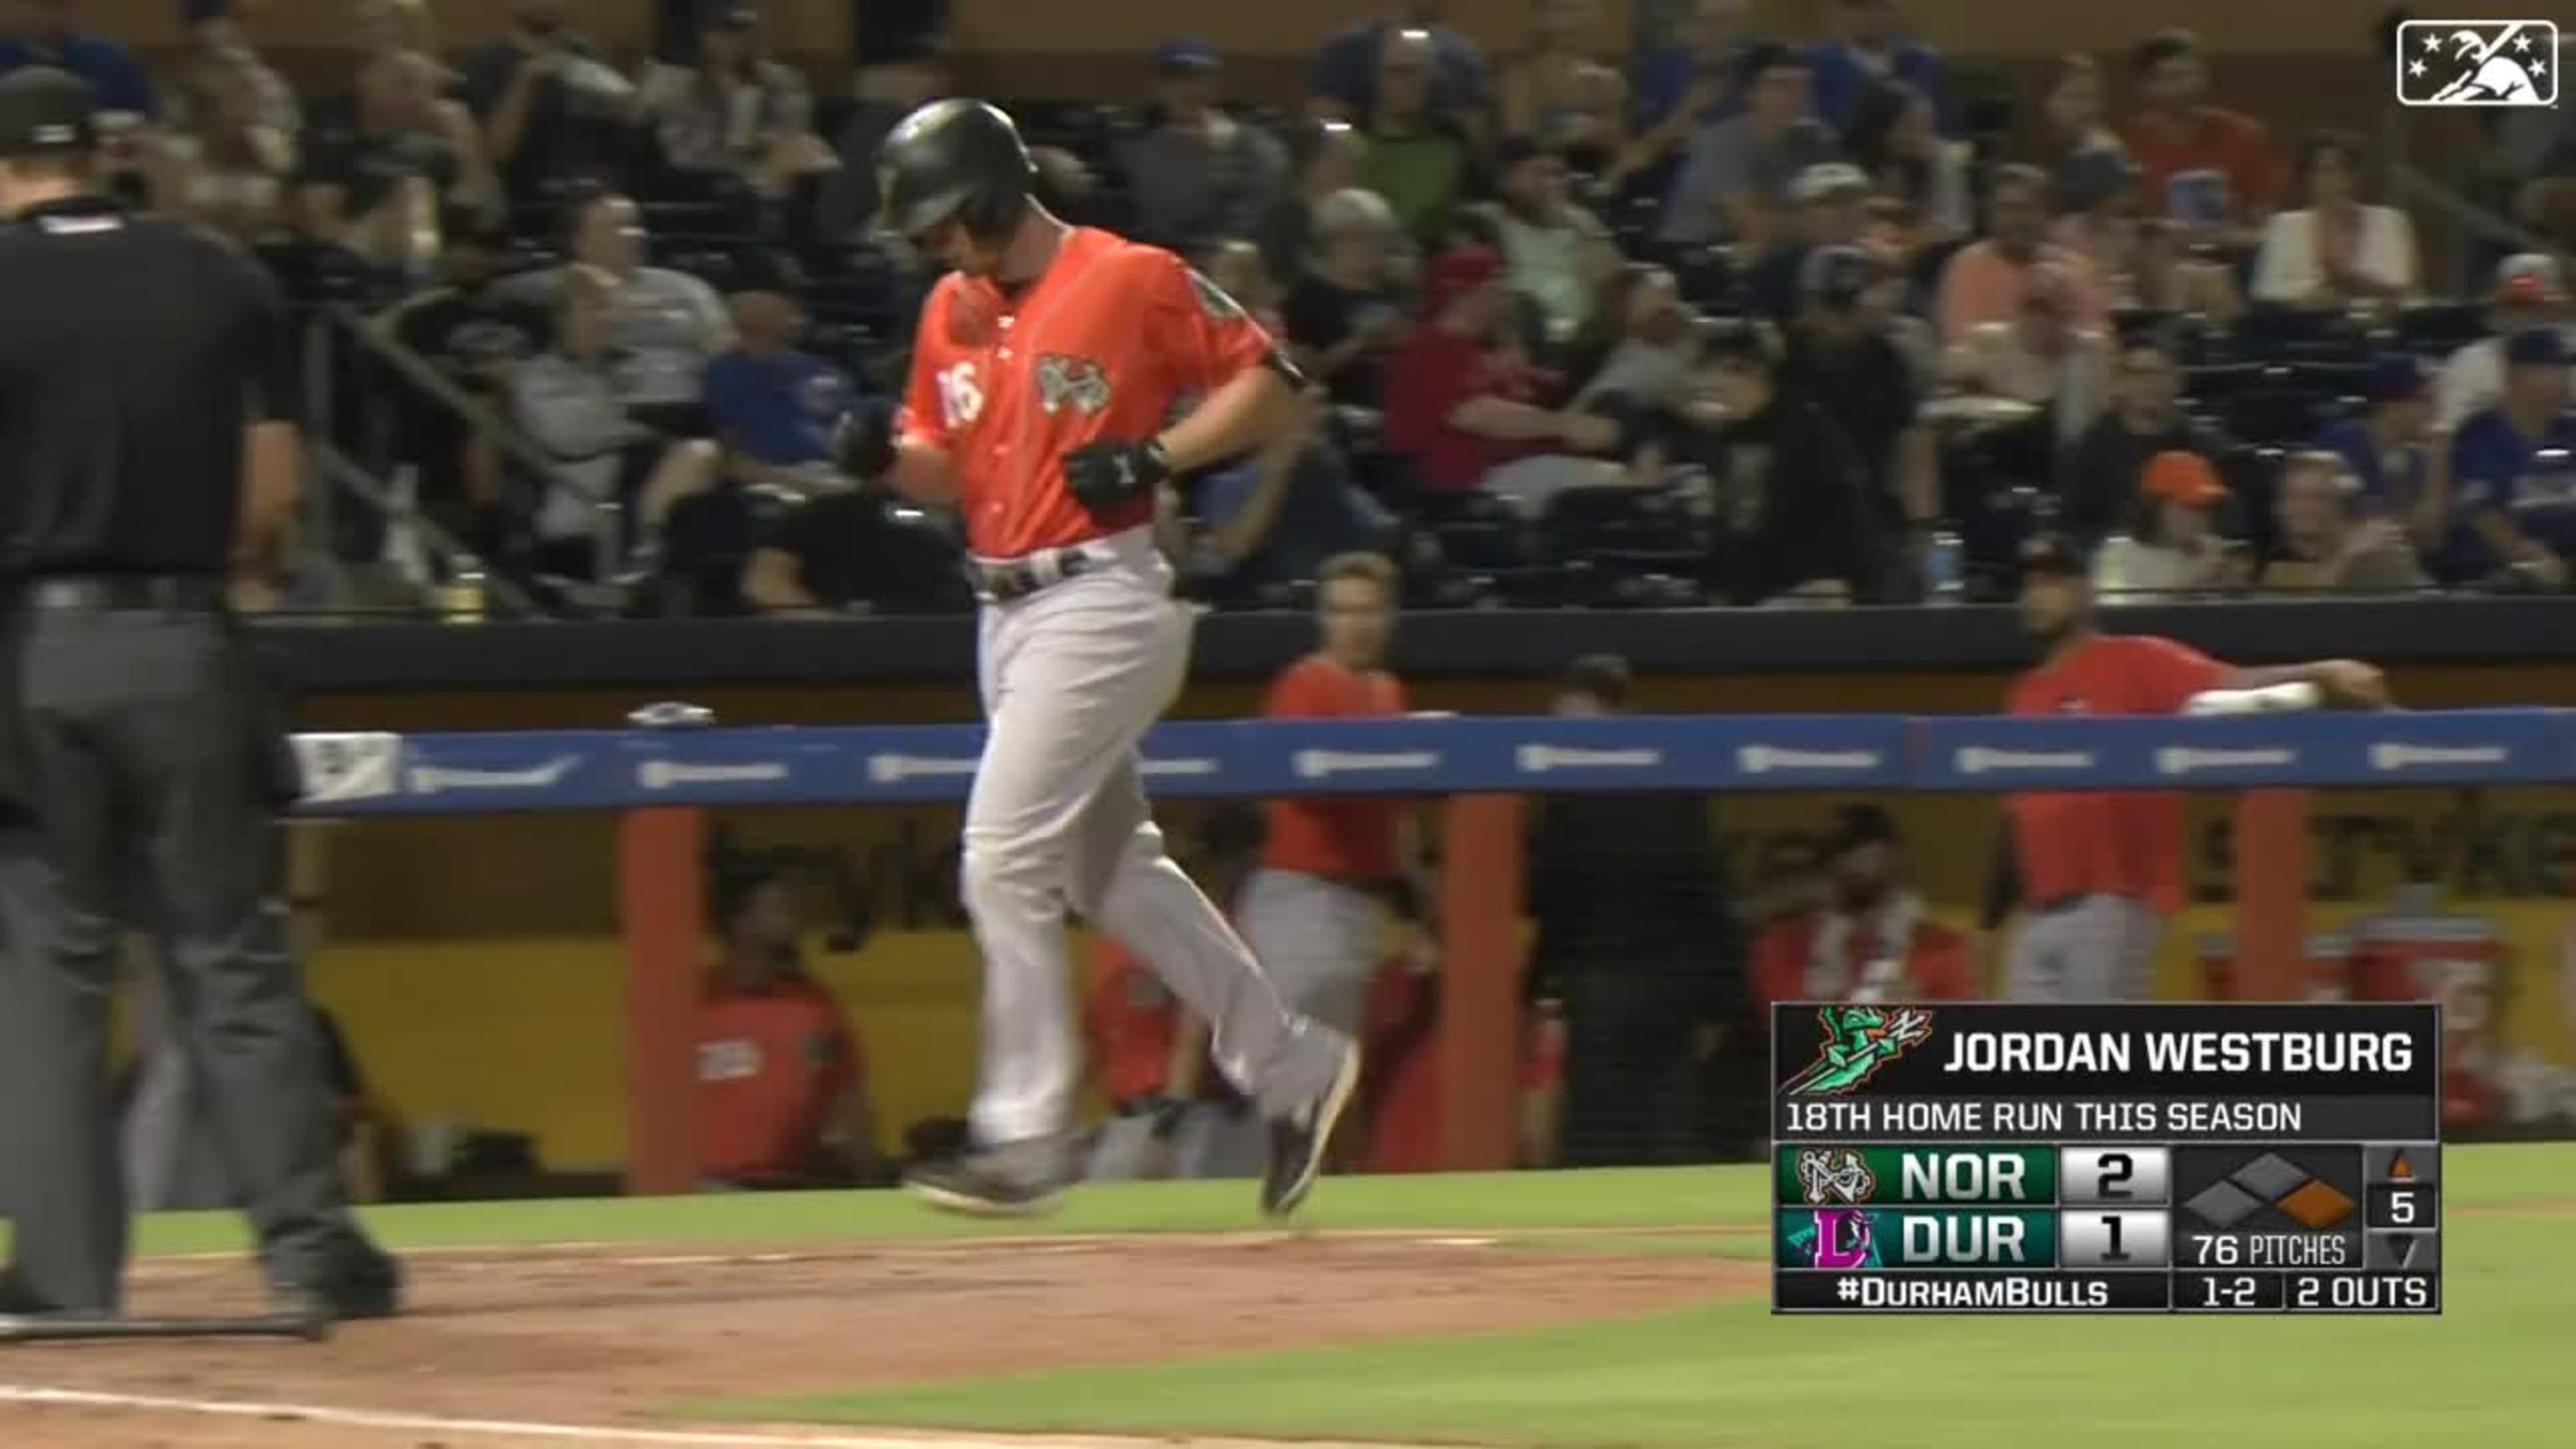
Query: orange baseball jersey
point(2076, 843)
point(1936, 965)
point(1342, 837)
point(770, 1066)
point(1100, 348)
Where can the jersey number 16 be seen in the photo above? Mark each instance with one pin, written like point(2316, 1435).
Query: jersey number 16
point(960, 398)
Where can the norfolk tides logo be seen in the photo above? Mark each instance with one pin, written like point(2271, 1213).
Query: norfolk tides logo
point(2477, 63)
point(1834, 1174)
point(1858, 1041)
point(1836, 1238)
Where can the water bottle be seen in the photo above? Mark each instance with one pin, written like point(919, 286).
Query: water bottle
point(1944, 568)
point(460, 599)
point(2111, 573)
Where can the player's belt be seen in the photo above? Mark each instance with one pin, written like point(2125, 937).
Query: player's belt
point(1005, 580)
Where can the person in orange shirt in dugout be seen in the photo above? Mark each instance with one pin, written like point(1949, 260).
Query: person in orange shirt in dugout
point(782, 1084)
point(1316, 912)
point(1171, 1114)
point(2097, 872)
point(1871, 940)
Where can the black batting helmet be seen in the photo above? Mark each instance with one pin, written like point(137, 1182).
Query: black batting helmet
point(957, 160)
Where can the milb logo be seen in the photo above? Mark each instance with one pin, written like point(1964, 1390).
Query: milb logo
point(2449, 63)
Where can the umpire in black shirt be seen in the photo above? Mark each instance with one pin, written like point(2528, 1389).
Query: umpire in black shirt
point(148, 437)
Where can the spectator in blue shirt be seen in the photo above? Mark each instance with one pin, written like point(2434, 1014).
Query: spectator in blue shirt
point(775, 407)
point(2514, 472)
point(1275, 515)
point(1346, 69)
point(1688, 84)
point(47, 32)
point(1873, 48)
point(2389, 449)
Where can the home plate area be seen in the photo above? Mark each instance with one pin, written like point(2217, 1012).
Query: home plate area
point(560, 1346)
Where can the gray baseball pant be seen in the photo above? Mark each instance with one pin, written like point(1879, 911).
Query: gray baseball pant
point(2092, 948)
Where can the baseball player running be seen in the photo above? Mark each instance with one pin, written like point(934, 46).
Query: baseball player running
point(1045, 374)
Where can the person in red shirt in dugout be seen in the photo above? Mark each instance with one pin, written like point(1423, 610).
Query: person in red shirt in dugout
point(2097, 873)
point(782, 1084)
point(1871, 940)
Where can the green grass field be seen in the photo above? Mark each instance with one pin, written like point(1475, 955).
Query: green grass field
point(1724, 1376)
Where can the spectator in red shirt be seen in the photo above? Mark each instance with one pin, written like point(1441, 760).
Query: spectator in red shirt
point(1170, 1113)
point(2098, 872)
point(1870, 940)
point(782, 1083)
point(1456, 406)
point(2213, 170)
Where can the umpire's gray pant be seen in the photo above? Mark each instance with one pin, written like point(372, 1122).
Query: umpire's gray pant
point(1318, 939)
point(2091, 948)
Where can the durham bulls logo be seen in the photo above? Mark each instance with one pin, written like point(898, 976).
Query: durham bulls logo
point(1836, 1239)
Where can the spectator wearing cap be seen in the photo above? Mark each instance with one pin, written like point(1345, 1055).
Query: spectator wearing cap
point(2513, 472)
point(475, 338)
point(1342, 316)
point(1554, 251)
point(1830, 208)
point(2044, 356)
point(49, 33)
point(1350, 76)
point(1419, 158)
point(1871, 937)
point(1871, 50)
point(1896, 140)
point(2101, 480)
point(1273, 517)
point(2390, 452)
point(1789, 522)
point(1196, 175)
point(2210, 168)
point(2336, 251)
point(1843, 358)
point(2326, 540)
point(2530, 291)
point(1627, 894)
point(2171, 543)
point(1455, 407)
point(1738, 171)
point(1984, 281)
point(217, 41)
point(773, 406)
point(734, 114)
point(380, 185)
point(2095, 192)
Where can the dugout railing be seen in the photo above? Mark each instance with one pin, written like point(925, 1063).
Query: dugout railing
point(661, 784)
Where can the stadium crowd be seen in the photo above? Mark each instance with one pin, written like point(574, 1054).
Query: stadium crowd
point(1734, 318)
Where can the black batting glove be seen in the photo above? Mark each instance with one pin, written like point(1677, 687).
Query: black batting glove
point(863, 444)
point(1102, 476)
point(1167, 1115)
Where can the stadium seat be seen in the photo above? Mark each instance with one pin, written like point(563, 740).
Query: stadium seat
point(2291, 334)
point(2442, 328)
point(2274, 416)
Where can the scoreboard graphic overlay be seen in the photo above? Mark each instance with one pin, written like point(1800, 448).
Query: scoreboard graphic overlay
point(1995, 1158)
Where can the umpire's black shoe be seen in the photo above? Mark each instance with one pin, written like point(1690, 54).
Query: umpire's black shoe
point(988, 1183)
point(1298, 1141)
point(361, 1281)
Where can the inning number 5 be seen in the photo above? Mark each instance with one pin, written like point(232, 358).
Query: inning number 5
point(960, 398)
point(2116, 1168)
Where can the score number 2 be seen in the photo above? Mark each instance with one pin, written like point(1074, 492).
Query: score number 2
point(2112, 1172)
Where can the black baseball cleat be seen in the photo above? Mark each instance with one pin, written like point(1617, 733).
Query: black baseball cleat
point(358, 1282)
point(980, 1185)
point(1298, 1141)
